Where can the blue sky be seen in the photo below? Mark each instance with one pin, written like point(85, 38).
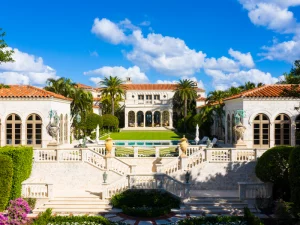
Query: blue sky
point(219, 43)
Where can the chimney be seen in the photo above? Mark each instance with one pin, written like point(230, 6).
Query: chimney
point(128, 80)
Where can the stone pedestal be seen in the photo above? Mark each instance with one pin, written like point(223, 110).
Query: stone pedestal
point(52, 144)
point(184, 162)
point(240, 144)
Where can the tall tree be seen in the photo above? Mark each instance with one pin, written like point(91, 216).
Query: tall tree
point(233, 91)
point(186, 90)
point(294, 76)
point(247, 86)
point(5, 54)
point(113, 87)
point(82, 100)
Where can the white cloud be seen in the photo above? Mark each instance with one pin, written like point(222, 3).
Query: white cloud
point(145, 23)
point(167, 81)
point(27, 69)
point(94, 53)
point(134, 72)
point(222, 81)
point(275, 15)
point(244, 59)
point(165, 54)
point(108, 30)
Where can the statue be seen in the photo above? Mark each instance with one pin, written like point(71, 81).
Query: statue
point(240, 130)
point(52, 127)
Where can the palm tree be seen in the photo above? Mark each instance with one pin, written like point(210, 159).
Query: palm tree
point(112, 87)
point(247, 86)
point(63, 86)
point(233, 91)
point(186, 90)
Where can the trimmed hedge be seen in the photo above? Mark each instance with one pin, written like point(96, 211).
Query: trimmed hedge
point(22, 165)
point(45, 218)
point(6, 174)
point(145, 203)
point(272, 167)
point(294, 177)
point(110, 121)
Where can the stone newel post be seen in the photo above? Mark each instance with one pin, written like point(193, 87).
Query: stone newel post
point(183, 157)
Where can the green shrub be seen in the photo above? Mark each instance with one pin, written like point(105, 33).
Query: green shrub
point(294, 177)
point(31, 202)
point(22, 165)
point(283, 212)
point(6, 175)
point(250, 218)
point(212, 220)
point(45, 218)
point(145, 203)
point(110, 121)
point(272, 167)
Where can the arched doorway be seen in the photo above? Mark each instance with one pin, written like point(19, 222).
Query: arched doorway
point(233, 132)
point(131, 119)
point(148, 119)
point(261, 131)
point(34, 130)
point(66, 128)
point(140, 118)
point(297, 131)
point(166, 118)
point(156, 119)
point(228, 130)
point(61, 129)
point(282, 130)
point(13, 129)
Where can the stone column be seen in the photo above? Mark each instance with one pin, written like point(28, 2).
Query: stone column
point(184, 163)
point(126, 118)
point(23, 133)
point(157, 152)
point(293, 133)
point(135, 152)
point(272, 134)
point(171, 119)
point(144, 119)
point(152, 113)
point(160, 119)
point(136, 119)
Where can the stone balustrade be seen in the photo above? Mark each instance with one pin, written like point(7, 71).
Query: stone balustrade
point(159, 181)
point(115, 187)
point(168, 168)
point(37, 190)
point(253, 190)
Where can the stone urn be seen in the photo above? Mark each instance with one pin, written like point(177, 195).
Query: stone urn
point(108, 146)
point(183, 145)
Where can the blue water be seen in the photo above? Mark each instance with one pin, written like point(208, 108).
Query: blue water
point(149, 143)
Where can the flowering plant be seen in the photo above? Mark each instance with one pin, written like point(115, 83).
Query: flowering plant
point(17, 213)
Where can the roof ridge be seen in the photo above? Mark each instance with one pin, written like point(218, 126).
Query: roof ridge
point(254, 90)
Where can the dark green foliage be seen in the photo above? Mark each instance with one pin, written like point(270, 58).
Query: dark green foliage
point(89, 123)
point(5, 54)
point(283, 212)
point(292, 91)
point(250, 218)
point(45, 218)
point(294, 176)
point(145, 203)
point(22, 165)
point(31, 202)
point(272, 167)
point(294, 76)
point(110, 121)
point(6, 174)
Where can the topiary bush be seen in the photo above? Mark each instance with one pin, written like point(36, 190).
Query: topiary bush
point(145, 203)
point(6, 174)
point(90, 123)
point(22, 166)
point(272, 167)
point(110, 121)
point(294, 177)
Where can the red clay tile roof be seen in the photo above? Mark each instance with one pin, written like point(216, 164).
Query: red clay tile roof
point(153, 87)
point(269, 91)
point(26, 91)
point(201, 99)
point(84, 86)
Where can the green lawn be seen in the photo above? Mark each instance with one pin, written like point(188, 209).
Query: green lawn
point(144, 135)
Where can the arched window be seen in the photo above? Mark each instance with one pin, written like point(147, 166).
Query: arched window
point(297, 132)
point(233, 132)
point(66, 128)
point(61, 129)
point(228, 130)
point(282, 130)
point(13, 129)
point(261, 131)
point(34, 130)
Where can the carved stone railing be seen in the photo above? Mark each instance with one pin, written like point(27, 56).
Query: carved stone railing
point(45, 155)
point(159, 181)
point(169, 168)
point(115, 187)
point(243, 155)
point(192, 150)
point(98, 149)
point(37, 190)
point(232, 155)
point(69, 155)
point(218, 155)
point(119, 166)
point(94, 159)
point(195, 159)
point(252, 190)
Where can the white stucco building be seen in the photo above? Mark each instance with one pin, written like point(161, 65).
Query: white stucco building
point(24, 116)
point(269, 118)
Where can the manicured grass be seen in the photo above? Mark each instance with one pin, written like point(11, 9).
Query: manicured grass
point(146, 152)
point(144, 135)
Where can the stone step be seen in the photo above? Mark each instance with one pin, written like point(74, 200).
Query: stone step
point(82, 206)
point(241, 207)
point(53, 203)
point(219, 211)
point(91, 211)
point(236, 204)
point(83, 198)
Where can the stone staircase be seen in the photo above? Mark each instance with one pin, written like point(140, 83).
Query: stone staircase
point(214, 205)
point(77, 205)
